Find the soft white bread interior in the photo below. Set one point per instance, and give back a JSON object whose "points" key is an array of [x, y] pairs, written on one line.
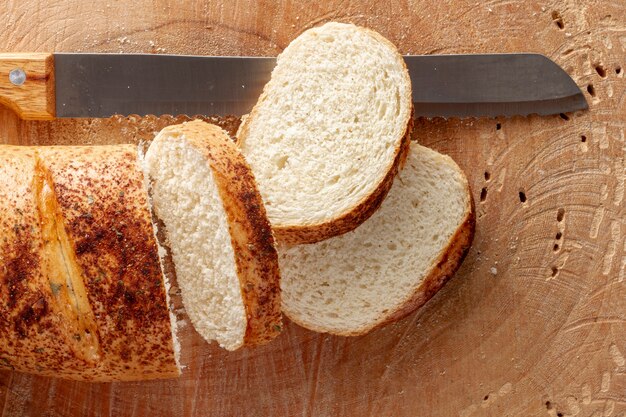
{"points": [[391, 264], [221, 241], [329, 131]]}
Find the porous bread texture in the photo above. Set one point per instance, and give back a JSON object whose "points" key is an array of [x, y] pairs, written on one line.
{"points": [[186, 198], [328, 132], [391, 264]]}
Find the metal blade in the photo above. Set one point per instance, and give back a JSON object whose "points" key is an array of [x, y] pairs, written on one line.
{"points": [[491, 85], [101, 85]]}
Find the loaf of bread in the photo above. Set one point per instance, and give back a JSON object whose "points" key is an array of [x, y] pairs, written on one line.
{"points": [[391, 264], [82, 289], [82, 293], [221, 241], [329, 131]]}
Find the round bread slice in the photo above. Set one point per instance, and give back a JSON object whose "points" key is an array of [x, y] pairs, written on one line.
{"points": [[329, 131], [221, 241], [390, 265]]}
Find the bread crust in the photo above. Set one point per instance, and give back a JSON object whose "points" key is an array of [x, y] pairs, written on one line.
{"points": [[354, 216], [102, 238], [251, 234]]}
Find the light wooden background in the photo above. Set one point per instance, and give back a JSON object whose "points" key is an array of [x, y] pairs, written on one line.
{"points": [[534, 323]]}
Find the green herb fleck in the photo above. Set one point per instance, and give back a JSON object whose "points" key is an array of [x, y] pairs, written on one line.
{"points": [[55, 288], [121, 194], [278, 328], [101, 275], [39, 350]]}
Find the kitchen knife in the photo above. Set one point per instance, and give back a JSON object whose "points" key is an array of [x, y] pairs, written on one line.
{"points": [[45, 86]]}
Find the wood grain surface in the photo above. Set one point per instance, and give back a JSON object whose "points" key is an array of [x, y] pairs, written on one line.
{"points": [[534, 323]]}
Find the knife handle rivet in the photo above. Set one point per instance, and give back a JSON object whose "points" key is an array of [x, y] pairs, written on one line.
{"points": [[17, 76]]}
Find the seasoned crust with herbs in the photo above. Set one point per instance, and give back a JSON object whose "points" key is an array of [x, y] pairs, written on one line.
{"points": [[83, 295]]}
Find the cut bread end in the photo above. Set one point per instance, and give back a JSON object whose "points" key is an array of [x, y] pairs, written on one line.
{"points": [[221, 242], [391, 264], [162, 253], [327, 134]]}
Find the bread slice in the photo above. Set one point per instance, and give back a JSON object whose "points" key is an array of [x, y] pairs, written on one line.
{"points": [[329, 131], [390, 265], [221, 241]]}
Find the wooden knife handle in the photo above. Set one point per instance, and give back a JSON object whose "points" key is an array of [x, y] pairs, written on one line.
{"points": [[27, 84]]}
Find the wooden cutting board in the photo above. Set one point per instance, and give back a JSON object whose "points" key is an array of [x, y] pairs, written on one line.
{"points": [[533, 324]]}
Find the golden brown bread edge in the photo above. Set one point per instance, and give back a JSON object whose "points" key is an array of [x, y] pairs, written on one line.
{"points": [[81, 289], [253, 243], [349, 220], [446, 264]]}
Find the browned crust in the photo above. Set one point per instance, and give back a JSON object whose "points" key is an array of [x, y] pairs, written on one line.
{"points": [[31, 333], [448, 262], [251, 234], [102, 204], [312, 233]]}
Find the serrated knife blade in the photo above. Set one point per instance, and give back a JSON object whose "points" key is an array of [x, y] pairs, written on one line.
{"points": [[102, 85]]}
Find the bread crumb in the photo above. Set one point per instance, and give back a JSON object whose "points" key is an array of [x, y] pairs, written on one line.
{"points": [[494, 270]]}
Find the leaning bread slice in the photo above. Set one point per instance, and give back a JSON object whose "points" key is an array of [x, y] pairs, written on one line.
{"points": [[329, 131], [390, 265], [221, 242]]}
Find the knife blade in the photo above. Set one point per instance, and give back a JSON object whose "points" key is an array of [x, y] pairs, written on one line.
{"points": [[102, 85]]}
